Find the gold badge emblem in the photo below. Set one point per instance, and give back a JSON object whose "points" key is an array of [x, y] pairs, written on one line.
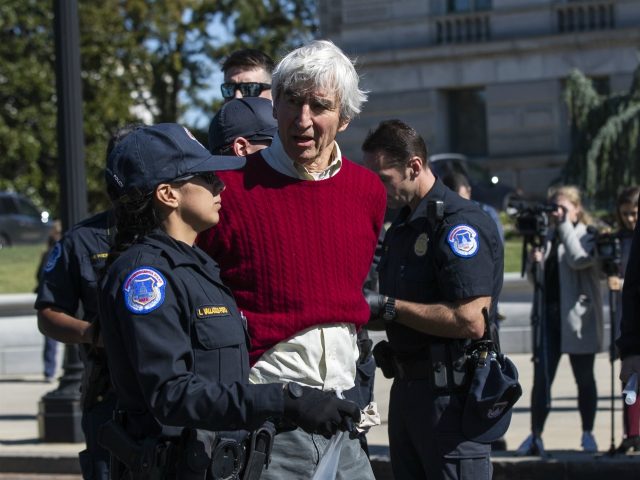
{"points": [[420, 247]]}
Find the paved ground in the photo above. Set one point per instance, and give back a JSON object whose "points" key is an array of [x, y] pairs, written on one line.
{"points": [[20, 396], [563, 430]]}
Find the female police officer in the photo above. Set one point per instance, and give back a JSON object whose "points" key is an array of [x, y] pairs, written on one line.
{"points": [[175, 340]]}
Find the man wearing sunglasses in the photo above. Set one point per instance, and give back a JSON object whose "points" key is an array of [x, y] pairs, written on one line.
{"points": [[247, 73], [295, 245]]}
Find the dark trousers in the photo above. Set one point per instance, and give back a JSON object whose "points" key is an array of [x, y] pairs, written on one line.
{"points": [[582, 367], [49, 356], [94, 460], [425, 436]]}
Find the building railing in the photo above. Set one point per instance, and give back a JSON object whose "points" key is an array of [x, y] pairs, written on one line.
{"points": [[585, 16], [463, 28]]}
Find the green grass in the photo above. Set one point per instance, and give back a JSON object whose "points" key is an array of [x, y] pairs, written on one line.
{"points": [[513, 255], [18, 268], [18, 265]]}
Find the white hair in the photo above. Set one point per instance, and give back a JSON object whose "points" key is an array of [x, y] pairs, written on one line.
{"points": [[321, 65]]}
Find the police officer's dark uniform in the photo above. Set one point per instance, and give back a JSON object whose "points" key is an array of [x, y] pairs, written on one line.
{"points": [[164, 305], [69, 282], [177, 344], [429, 258]]}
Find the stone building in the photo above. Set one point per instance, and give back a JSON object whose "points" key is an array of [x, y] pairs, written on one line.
{"points": [[484, 77]]}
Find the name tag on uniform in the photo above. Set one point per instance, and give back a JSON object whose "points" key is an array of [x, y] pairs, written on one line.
{"points": [[209, 311]]}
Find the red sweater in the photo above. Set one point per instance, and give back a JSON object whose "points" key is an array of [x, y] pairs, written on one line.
{"points": [[295, 252]]}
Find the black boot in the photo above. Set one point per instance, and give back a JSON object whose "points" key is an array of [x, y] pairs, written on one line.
{"points": [[628, 444]]}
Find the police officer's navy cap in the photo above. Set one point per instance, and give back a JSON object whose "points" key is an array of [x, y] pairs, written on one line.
{"points": [[155, 154], [493, 391], [248, 117]]}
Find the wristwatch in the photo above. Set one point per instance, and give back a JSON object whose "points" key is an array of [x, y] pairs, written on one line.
{"points": [[389, 313]]}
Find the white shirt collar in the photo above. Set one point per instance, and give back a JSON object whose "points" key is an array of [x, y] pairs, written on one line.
{"points": [[278, 159]]}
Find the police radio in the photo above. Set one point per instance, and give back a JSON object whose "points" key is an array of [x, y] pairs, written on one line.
{"points": [[435, 210]]}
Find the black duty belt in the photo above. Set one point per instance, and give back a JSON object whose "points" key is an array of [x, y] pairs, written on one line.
{"points": [[443, 364], [412, 369]]}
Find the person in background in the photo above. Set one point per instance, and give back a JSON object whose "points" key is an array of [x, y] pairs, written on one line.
{"points": [[629, 341], [573, 314], [242, 126], [67, 310], [50, 349], [627, 218], [295, 243], [247, 73], [459, 183], [175, 339]]}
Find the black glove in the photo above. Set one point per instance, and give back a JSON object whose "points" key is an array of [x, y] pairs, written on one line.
{"points": [[316, 411], [376, 302]]}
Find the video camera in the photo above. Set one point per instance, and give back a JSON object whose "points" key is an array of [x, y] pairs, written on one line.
{"points": [[609, 252], [532, 220]]}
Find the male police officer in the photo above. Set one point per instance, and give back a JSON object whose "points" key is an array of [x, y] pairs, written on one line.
{"points": [[67, 305], [242, 126], [441, 266]]}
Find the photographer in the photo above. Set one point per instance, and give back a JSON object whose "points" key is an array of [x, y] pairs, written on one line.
{"points": [[627, 217], [573, 314]]}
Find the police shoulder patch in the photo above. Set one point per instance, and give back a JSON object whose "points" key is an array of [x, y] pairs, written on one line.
{"points": [[463, 240], [56, 251], [143, 290]]}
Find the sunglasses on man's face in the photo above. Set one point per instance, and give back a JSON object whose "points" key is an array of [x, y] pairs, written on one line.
{"points": [[247, 89], [209, 178]]}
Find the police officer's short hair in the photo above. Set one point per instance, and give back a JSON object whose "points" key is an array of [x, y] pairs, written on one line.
{"points": [[398, 140], [249, 59], [321, 64]]}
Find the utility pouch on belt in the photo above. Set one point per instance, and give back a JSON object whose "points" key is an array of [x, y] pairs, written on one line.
{"points": [[259, 454], [449, 370], [196, 449], [384, 356], [145, 460]]}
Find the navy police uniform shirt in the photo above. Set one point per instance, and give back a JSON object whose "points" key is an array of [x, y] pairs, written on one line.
{"points": [[177, 344], [70, 274], [431, 261]]}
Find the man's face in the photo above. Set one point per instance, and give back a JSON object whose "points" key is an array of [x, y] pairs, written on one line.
{"points": [[396, 180], [243, 75], [308, 123]]}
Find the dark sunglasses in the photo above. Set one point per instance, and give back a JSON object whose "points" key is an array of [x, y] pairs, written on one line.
{"points": [[209, 178], [248, 89]]}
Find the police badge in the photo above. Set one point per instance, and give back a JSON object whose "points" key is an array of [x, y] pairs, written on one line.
{"points": [[421, 245]]}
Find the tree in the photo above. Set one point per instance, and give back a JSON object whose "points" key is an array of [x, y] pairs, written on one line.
{"points": [[141, 60], [605, 154], [28, 144]]}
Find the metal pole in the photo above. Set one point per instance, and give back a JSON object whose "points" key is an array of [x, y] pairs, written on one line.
{"points": [[59, 411]]}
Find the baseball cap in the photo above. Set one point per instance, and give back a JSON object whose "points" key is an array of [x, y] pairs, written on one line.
{"points": [[493, 391], [151, 155], [248, 117]]}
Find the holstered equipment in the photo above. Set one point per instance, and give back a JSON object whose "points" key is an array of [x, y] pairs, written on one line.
{"points": [[195, 455], [259, 451], [442, 363], [146, 460]]}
